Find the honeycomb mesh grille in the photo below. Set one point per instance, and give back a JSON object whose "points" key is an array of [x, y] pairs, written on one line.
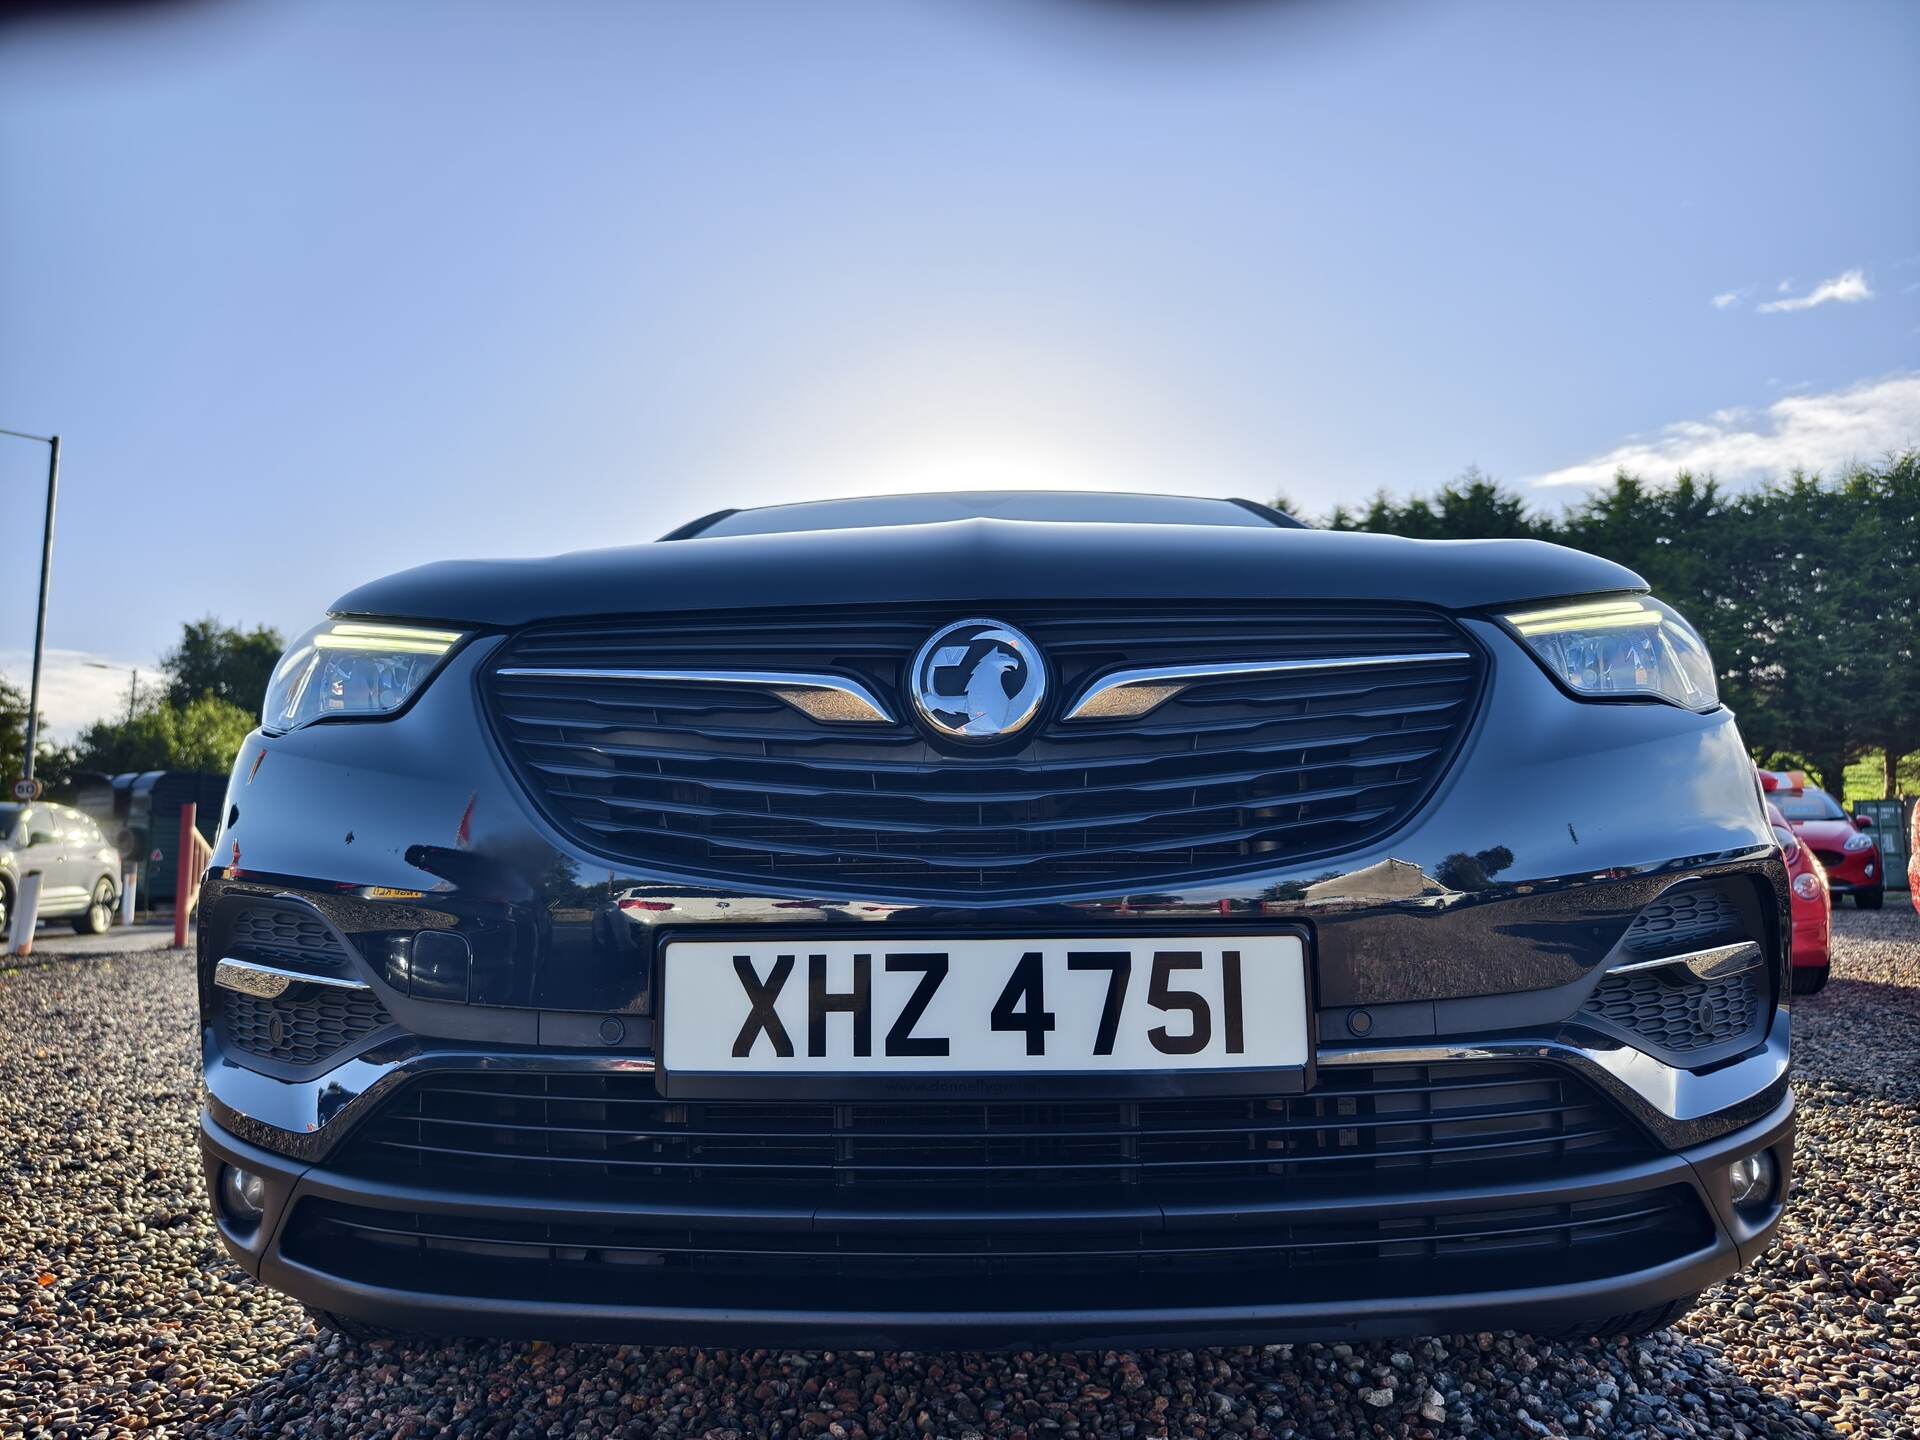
{"points": [[1680, 1018], [1684, 919], [285, 934], [1666, 1010], [303, 1030]]}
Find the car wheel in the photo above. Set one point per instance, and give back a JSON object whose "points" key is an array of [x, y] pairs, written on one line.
{"points": [[97, 918], [6, 910], [1869, 899], [1629, 1326], [1810, 980]]}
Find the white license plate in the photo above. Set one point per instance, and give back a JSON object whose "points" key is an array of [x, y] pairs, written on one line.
{"points": [[753, 1007]]}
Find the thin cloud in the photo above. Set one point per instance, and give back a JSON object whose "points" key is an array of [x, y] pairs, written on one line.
{"points": [[78, 687], [1726, 298], [1847, 288], [1824, 432]]}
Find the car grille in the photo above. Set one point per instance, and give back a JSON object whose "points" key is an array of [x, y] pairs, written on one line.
{"points": [[612, 1136], [995, 1263], [1229, 773], [283, 934], [1669, 1012], [1685, 919], [1829, 859], [306, 1025], [1674, 1014]]}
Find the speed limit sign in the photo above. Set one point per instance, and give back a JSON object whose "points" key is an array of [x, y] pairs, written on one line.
{"points": [[24, 790]]}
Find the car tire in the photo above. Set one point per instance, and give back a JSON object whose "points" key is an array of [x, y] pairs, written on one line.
{"points": [[6, 910], [1630, 1326], [1870, 899], [1810, 980], [97, 918], [358, 1331]]}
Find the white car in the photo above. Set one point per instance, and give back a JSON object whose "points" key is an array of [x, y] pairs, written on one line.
{"points": [[79, 870]]}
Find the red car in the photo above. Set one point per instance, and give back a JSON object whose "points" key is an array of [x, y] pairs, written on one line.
{"points": [[1810, 906], [1838, 840], [1913, 860]]}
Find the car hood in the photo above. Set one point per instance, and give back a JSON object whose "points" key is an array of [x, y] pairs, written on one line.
{"points": [[1829, 834], [985, 561]]}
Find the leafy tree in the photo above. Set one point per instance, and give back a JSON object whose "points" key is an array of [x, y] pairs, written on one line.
{"points": [[142, 742], [222, 660], [13, 730], [208, 734], [1472, 506], [52, 764], [1806, 591], [204, 736]]}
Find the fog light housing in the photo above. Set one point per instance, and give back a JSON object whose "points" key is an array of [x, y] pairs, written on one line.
{"points": [[1807, 885], [243, 1195], [1750, 1179]]}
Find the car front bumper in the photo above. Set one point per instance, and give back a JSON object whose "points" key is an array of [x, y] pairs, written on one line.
{"points": [[462, 1297], [1473, 935], [1855, 871]]}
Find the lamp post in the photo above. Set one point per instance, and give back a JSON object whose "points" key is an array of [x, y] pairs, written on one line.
{"points": [[133, 689], [26, 789]]}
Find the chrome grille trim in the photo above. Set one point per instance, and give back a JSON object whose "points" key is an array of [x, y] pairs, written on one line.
{"points": [[834, 699], [1129, 694]]}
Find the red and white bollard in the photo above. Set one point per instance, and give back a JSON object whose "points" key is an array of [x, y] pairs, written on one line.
{"points": [[186, 879]]}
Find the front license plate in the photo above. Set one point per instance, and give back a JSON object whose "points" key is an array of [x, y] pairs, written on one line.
{"points": [[752, 1007]]}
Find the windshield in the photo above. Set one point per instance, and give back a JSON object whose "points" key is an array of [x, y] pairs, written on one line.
{"points": [[1063, 506], [1809, 805]]}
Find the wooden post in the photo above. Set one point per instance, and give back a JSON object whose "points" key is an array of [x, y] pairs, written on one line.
{"points": [[184, 878]]}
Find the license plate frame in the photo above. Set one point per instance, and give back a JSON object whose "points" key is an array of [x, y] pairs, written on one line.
{"points": [[978, 1085]]}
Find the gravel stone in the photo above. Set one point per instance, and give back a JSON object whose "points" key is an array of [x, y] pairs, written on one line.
{"points": [[119, 1312]]}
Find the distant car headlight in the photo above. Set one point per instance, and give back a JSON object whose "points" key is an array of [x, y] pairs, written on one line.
{"points": [[1807, 885], [352, 669], [1621, 647], [1857, 842]]}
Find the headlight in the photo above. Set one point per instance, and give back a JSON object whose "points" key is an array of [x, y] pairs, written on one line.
{"points": [[1627, 647], [352, 669], [1857, 841], [1807, 885], [1789, 842]]}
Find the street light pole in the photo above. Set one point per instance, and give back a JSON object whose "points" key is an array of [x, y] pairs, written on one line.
{"points": [[133, 687], [52, 442]]}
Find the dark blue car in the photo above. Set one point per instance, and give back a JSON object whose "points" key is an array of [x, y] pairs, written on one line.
{"points": [[1004, 919]]}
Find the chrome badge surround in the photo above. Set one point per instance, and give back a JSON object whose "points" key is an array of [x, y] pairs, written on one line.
{"points": [[1001, 684]]}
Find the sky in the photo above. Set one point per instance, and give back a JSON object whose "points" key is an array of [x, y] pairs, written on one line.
{"points": [[316, 292]]}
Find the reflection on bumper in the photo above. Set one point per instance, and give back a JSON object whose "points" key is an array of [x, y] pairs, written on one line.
{"points": [[582, 1295], [1682, 1107], [1733, 1093]]}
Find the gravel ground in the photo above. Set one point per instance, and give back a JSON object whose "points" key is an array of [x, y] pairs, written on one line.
{"points": [[119, 1311]]}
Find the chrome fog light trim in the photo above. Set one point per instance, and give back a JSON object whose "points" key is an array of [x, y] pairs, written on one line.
{"points": [[1719, 962], [269, 982]]}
